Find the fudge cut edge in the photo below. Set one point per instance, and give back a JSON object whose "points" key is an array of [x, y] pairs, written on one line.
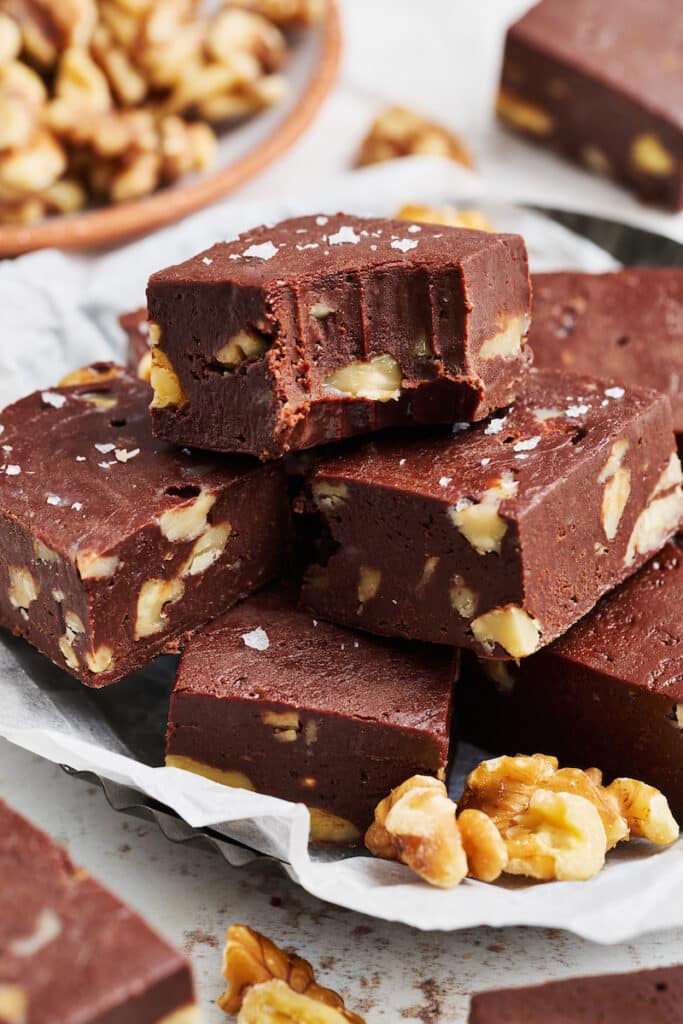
{"points": [[638, 997], [105, 583], [417, 541], [565, 99], [392, 324], [301, 719]]}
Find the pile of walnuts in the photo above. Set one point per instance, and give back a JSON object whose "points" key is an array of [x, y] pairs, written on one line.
{"points": [[520, 815], [112, 98]]}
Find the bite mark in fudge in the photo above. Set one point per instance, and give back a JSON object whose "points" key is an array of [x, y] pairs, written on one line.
{"points": [[625, 325], [615, 676], [320, 328], [70, 951], [500, 536], [642, 997], [269, 699], [113, 545], [138, 354], [601, 83]]}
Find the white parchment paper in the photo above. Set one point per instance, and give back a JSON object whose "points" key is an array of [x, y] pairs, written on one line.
{"points": [[58, 312]]}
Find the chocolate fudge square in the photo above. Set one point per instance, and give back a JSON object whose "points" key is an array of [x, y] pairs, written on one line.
{"points": [[70, 951], [113, 545], [268, 698], [500, 536], [602, 83], [643, 997], [609, 692], [138, 343], [626, 325], [320, 328]]}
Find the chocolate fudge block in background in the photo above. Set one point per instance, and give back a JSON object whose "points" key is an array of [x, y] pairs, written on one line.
{"points": [[71, 951], [138, 352], [626, 325], [320, 328], [609, 693], [267, 698], [113, 545], [601, 83], [643, 997], [500, 536]]}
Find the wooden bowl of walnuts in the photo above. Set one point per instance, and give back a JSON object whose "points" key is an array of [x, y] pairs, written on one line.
{"points": [[119, 116]]}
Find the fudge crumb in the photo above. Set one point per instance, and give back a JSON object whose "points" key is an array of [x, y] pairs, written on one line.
{"points": [[257, 639]]}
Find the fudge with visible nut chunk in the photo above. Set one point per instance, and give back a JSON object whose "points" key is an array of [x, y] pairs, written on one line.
{"points": [[626, 325], [138, 350], [601, 83], [268, 698], [641, 997], [320, 328], [500, 536], [70, 951], [621, 664], [113, 545]]}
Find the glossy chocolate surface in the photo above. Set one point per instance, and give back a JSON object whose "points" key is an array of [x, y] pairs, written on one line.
{"points": [[395, 557], [626, 325], [92, 528], [321, 293], [368, 713], [70, 951]]}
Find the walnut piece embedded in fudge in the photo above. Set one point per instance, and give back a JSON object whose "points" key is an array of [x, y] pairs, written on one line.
{"points": [[114, 545], [501, 535]]}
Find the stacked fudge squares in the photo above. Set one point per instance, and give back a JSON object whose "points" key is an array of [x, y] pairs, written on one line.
{"points": [[346, 490]]}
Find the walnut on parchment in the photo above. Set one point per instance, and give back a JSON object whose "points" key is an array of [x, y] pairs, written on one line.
{"points": [[416, 824]]}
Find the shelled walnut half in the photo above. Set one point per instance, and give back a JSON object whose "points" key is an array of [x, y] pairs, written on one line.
{"points": [[262, 977]]}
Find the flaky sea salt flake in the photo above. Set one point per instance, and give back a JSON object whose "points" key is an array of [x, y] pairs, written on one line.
{"points": [[345, 236], [257, 639], [264, 251]]}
